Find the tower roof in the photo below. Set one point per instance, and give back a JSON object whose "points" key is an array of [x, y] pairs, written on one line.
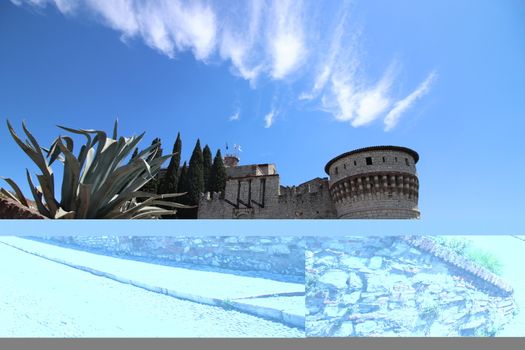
{"points": [[373, 148]]}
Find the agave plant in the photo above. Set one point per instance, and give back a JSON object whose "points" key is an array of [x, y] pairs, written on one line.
{"points": [[98, 182]]}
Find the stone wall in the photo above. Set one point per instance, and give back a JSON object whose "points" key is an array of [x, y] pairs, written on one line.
{"points": [[305, 205], [255, 191], [393, 286], [314, 205], [311, 200], [275, 255], [250, 170], [355, 164]]}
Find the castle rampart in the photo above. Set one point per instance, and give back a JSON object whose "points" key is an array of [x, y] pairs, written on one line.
{"points": [[373, 182]]}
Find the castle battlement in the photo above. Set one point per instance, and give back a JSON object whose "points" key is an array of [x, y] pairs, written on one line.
{"points": [[313, 186], [374, 182]]}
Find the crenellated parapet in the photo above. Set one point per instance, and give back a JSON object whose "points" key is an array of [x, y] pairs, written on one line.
{"points": [[378, 185]]}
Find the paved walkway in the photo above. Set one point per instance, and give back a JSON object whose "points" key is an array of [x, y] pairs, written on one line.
{"points": [[43, 298], [279, 301]]}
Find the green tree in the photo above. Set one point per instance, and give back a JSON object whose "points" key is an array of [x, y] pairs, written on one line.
{"points": [[183, 182], [196, 175], [170, 180], [183, 187], [206, 168], [218, 174]]}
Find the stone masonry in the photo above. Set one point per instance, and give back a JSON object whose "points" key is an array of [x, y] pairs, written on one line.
{"points": [[400, 286], [369, 183], [282, 256]]}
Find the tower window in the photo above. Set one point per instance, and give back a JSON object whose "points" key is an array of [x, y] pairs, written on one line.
{"points": [[406, 161], [383, 159], [336, 170], [355, 163], [368, 160], [344, 165], [395, 159]]}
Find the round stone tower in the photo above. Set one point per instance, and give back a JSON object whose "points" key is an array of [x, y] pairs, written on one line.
{"points": [[377, 182]]}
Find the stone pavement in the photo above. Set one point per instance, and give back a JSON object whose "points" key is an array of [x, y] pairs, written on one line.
{"points": [[279, 301]]}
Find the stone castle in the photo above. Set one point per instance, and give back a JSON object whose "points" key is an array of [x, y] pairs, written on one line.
{"points": [[377, 182]]}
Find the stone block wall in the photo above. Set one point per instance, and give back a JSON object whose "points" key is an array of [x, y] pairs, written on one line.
{"points": [[279, 202], [355, 164], [307, 205], [391, 286], [373, 206], [253, 188], [275, 255]]}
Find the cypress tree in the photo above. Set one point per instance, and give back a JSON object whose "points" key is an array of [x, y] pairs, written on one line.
{"points": [[170, 181], [218, 174], [196, 175], [183, 187], [206, 169], [183, 183]]}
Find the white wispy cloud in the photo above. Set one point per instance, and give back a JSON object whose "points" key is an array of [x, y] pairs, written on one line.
{"points": [[269, 118], [347, 92], [119, 15], [286, 38], [392, 118], [235, 116], [327, 63], [64, 6], [277, 40], [165, 25], [344, 90], [241, 42]]}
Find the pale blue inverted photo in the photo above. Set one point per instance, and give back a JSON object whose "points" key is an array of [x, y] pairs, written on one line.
{"points": [[264, 286]]}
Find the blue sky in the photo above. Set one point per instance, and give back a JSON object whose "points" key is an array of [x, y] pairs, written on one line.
{"points": [[294, 83]]}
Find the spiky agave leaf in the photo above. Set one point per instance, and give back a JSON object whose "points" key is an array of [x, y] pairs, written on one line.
{"points": [[19, 195], [31, 148], [96, 184], [70, 178], [148, 208], [37, 195]]}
